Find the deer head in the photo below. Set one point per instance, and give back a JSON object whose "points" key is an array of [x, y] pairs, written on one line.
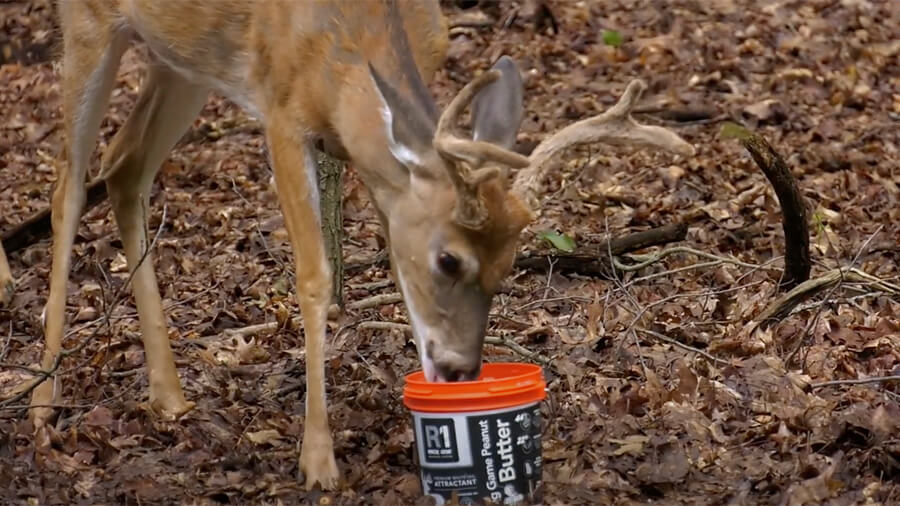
{"points": [[453, 235]]}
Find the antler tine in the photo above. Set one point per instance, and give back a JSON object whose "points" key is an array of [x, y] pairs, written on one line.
{"points": [[477, 152], [474, 152], [614, 126], [467, 177], [462, 100]]}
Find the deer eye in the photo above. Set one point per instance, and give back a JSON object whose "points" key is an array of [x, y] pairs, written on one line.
{"points": [[448, 263]]}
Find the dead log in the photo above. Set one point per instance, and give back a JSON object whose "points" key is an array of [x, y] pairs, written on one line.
{"points": [[596, 261]]}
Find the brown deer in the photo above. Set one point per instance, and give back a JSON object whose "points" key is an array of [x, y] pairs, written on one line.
{"points": [[349, 74]]}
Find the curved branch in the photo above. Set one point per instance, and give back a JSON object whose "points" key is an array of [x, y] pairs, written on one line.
{"points": [[796, 229]]}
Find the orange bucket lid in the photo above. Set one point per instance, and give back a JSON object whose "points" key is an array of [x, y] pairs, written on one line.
{"points": [[500, 385]]}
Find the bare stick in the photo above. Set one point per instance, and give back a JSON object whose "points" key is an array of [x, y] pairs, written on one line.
{"points": [[375, 325], [373, 285], [782, 306], [861, 381], [516, 347], [376, 300], [662, 337], [645, 260], [252, 330]]}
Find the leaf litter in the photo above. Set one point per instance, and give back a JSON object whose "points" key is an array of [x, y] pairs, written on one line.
{"points": [[630, 418]]}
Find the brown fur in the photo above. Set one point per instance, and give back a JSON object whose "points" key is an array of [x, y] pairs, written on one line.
{"points": [[302, 66]]}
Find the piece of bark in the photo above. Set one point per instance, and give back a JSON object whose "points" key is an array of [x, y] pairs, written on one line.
{"points": [[793, 210]]}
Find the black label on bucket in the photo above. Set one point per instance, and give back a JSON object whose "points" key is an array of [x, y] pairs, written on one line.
{"points": [[495, 456], [439, 439]]}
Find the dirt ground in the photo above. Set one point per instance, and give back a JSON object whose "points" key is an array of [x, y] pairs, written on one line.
{"points": [[708, 413]]}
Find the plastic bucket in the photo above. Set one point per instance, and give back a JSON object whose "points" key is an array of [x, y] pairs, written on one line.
{"points": [[480, 440]]}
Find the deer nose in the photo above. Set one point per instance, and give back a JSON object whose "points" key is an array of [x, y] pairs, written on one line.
{"points": [[452, 372]]}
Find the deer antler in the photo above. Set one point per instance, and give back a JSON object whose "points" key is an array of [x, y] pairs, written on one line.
{"points": [[467, 157], [615, 126]]}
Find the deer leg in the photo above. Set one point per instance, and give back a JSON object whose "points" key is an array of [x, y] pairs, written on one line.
{"points": [[166, 106], [295, 177], [90, 60], [6, 279]]}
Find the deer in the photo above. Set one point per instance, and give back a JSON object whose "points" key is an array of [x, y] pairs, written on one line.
{"points": [[352, 77]]}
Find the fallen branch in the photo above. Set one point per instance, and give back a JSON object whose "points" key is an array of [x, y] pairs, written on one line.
{"points": [[597, 263], [645, 260], [662, 337], [376, 300], [862, 381], [259, 328], [783, 305], [592, 261], [380, 259]]}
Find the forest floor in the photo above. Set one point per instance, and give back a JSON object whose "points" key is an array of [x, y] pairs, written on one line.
{"points": [[722, 416]]}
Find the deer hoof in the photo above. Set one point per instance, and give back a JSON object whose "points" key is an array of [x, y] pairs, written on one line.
{"points": [[172, 409], [318, 465], [42, 398]]}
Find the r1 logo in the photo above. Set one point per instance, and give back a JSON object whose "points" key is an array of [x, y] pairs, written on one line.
{"points": [[439, 436]]}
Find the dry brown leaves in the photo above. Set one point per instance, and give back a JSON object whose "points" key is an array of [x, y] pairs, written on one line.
{"points": [[630, 418]]}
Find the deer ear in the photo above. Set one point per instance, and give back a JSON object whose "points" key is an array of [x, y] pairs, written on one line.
{"points": [[409, 130], [497, 109]]}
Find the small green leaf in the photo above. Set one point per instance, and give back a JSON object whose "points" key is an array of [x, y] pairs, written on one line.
{"points": [[612, 38], [818, 222], [734, 131], [559, 241]]}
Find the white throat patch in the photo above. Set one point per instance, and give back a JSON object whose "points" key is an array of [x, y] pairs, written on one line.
{"points": [[420, 332]]}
